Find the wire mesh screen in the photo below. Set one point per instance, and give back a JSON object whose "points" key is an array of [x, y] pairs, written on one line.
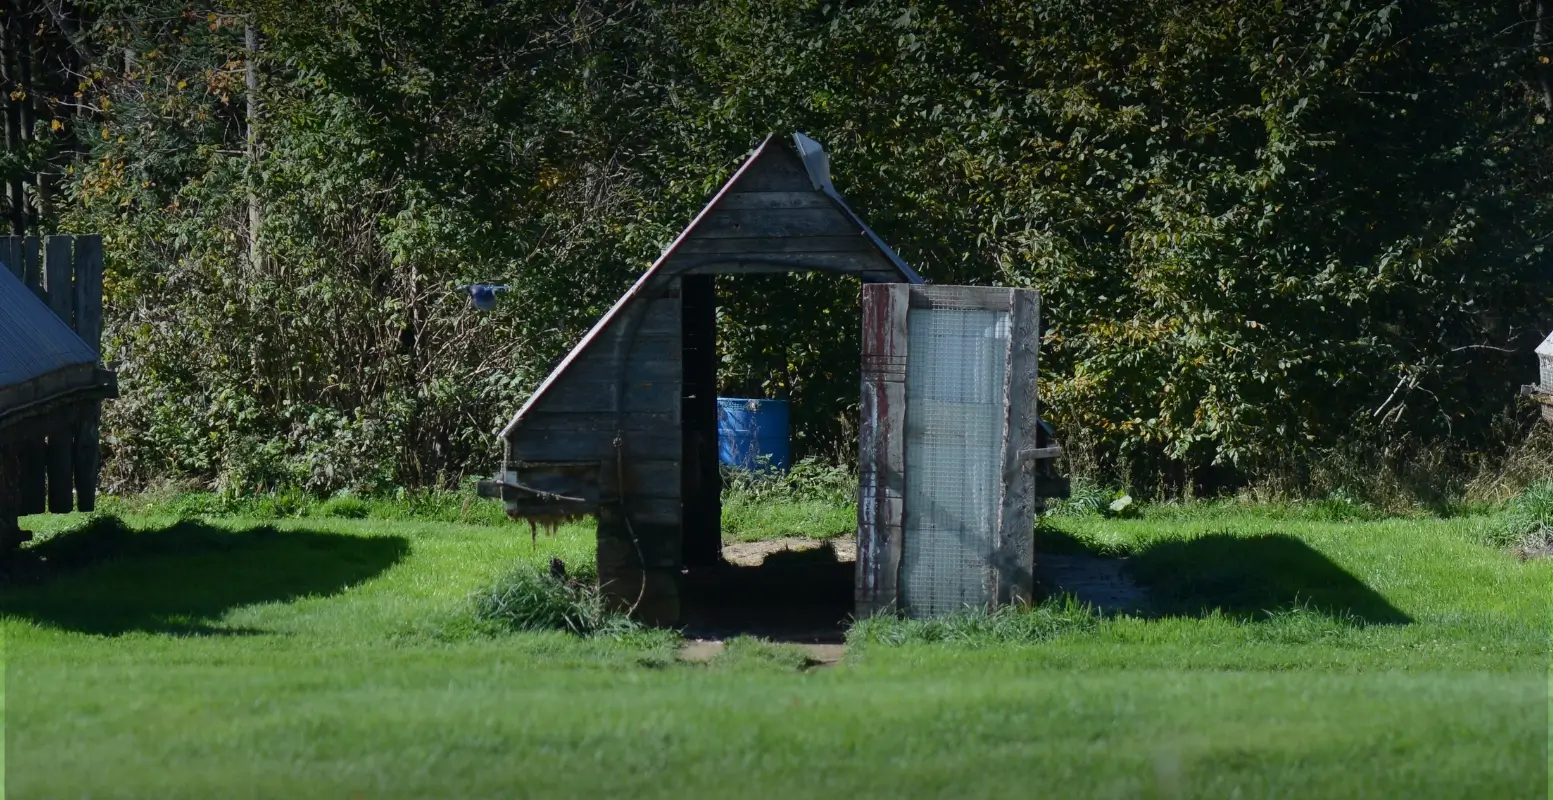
{"points": [[954, 430]]}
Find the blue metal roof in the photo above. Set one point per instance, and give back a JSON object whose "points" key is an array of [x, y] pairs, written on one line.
{"points": [[33, 341]]}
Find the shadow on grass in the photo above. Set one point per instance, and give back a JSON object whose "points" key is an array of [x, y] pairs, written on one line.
{"points": [[1242, 576], [105, 578]]}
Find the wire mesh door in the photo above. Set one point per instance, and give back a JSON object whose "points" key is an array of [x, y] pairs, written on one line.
{"points": [[955, 385], [949, 420]]}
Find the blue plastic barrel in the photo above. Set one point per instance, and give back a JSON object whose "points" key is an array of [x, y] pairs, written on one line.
{"points": [[751, 433]]}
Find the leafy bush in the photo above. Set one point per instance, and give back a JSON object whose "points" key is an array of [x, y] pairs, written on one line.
{"points": [[1242, 263]]}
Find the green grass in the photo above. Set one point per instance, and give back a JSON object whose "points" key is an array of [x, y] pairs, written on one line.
{"points": [[326, 657]]}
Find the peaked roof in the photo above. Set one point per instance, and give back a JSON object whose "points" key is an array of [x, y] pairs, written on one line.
{"points": [[816, 164], [1546, 348], [33, 341]]}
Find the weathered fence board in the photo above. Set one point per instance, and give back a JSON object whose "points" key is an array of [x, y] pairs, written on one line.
{"points": [[881, 444], [57, 460]]}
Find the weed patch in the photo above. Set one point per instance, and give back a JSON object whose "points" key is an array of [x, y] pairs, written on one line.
{"points": [[753, 652], [1526, 522], [978, 628], [526, 599]]}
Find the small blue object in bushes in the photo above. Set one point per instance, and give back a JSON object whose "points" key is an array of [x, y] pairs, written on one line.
{"points": [[752, 434]]}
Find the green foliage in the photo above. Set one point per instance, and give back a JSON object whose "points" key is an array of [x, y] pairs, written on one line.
{"points": [[1260, 229]]}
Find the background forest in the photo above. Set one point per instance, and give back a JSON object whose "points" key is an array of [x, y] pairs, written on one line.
{"points": [[1293, 244]]}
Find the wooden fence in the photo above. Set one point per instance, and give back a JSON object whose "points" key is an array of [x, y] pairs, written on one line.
{"points": [[59, 463]]}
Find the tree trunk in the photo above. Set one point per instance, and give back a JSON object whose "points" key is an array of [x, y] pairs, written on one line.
{"points": [[1538, 40], [255, 209]]}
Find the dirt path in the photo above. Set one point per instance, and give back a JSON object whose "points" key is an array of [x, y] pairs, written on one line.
{"points": [[753, 554]]}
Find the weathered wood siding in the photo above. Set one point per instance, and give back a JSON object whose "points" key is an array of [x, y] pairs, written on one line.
{"points": [[772, 219], [50, 429], [881, 448]]}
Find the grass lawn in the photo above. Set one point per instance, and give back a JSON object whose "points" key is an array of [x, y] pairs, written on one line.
{"points": [[323, 657]]}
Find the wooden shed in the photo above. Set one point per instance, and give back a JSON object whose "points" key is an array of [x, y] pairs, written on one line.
{"points": [[625, 428], [51, 386]]}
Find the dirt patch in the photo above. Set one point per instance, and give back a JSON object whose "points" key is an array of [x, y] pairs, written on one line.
{"points": [[701, 651], [754, 554]]}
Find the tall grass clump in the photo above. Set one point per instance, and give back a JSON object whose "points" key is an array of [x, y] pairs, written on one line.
{"points": [[1526, 522], [976, 627], [527, 599]]}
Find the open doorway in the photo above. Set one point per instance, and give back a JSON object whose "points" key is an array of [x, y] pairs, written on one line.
{"points": [[793, 589]]}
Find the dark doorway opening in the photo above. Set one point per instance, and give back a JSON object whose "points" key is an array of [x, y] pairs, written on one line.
{"points": [[800, 593]]}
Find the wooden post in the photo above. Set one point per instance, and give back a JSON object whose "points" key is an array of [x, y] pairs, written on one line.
{"points": [[1013, 558], [11, 254], [88, 285], [59, 269], [32, 454], [881, 446]]}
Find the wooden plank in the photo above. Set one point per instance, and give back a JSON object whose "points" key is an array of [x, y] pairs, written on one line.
{"points": [[774, 200], [972, 298], [645, 365], [858, 263], [649, 344], [88, 287], [32, 266], [88, 290], [650, 591], [598, 396], [765, 246], [881, 448], [594, 444], [59, 277], [595, 420], [1014, 542], [777, 169], [659, 478], [59, 285], [32, 462], [756, 223], [11, 254], [47, 385]]}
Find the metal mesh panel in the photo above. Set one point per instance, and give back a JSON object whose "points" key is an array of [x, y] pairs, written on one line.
{"points": [[954, 426]]}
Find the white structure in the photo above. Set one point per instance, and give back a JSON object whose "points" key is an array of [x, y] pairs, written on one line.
{"points": [[1543, 392]]}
